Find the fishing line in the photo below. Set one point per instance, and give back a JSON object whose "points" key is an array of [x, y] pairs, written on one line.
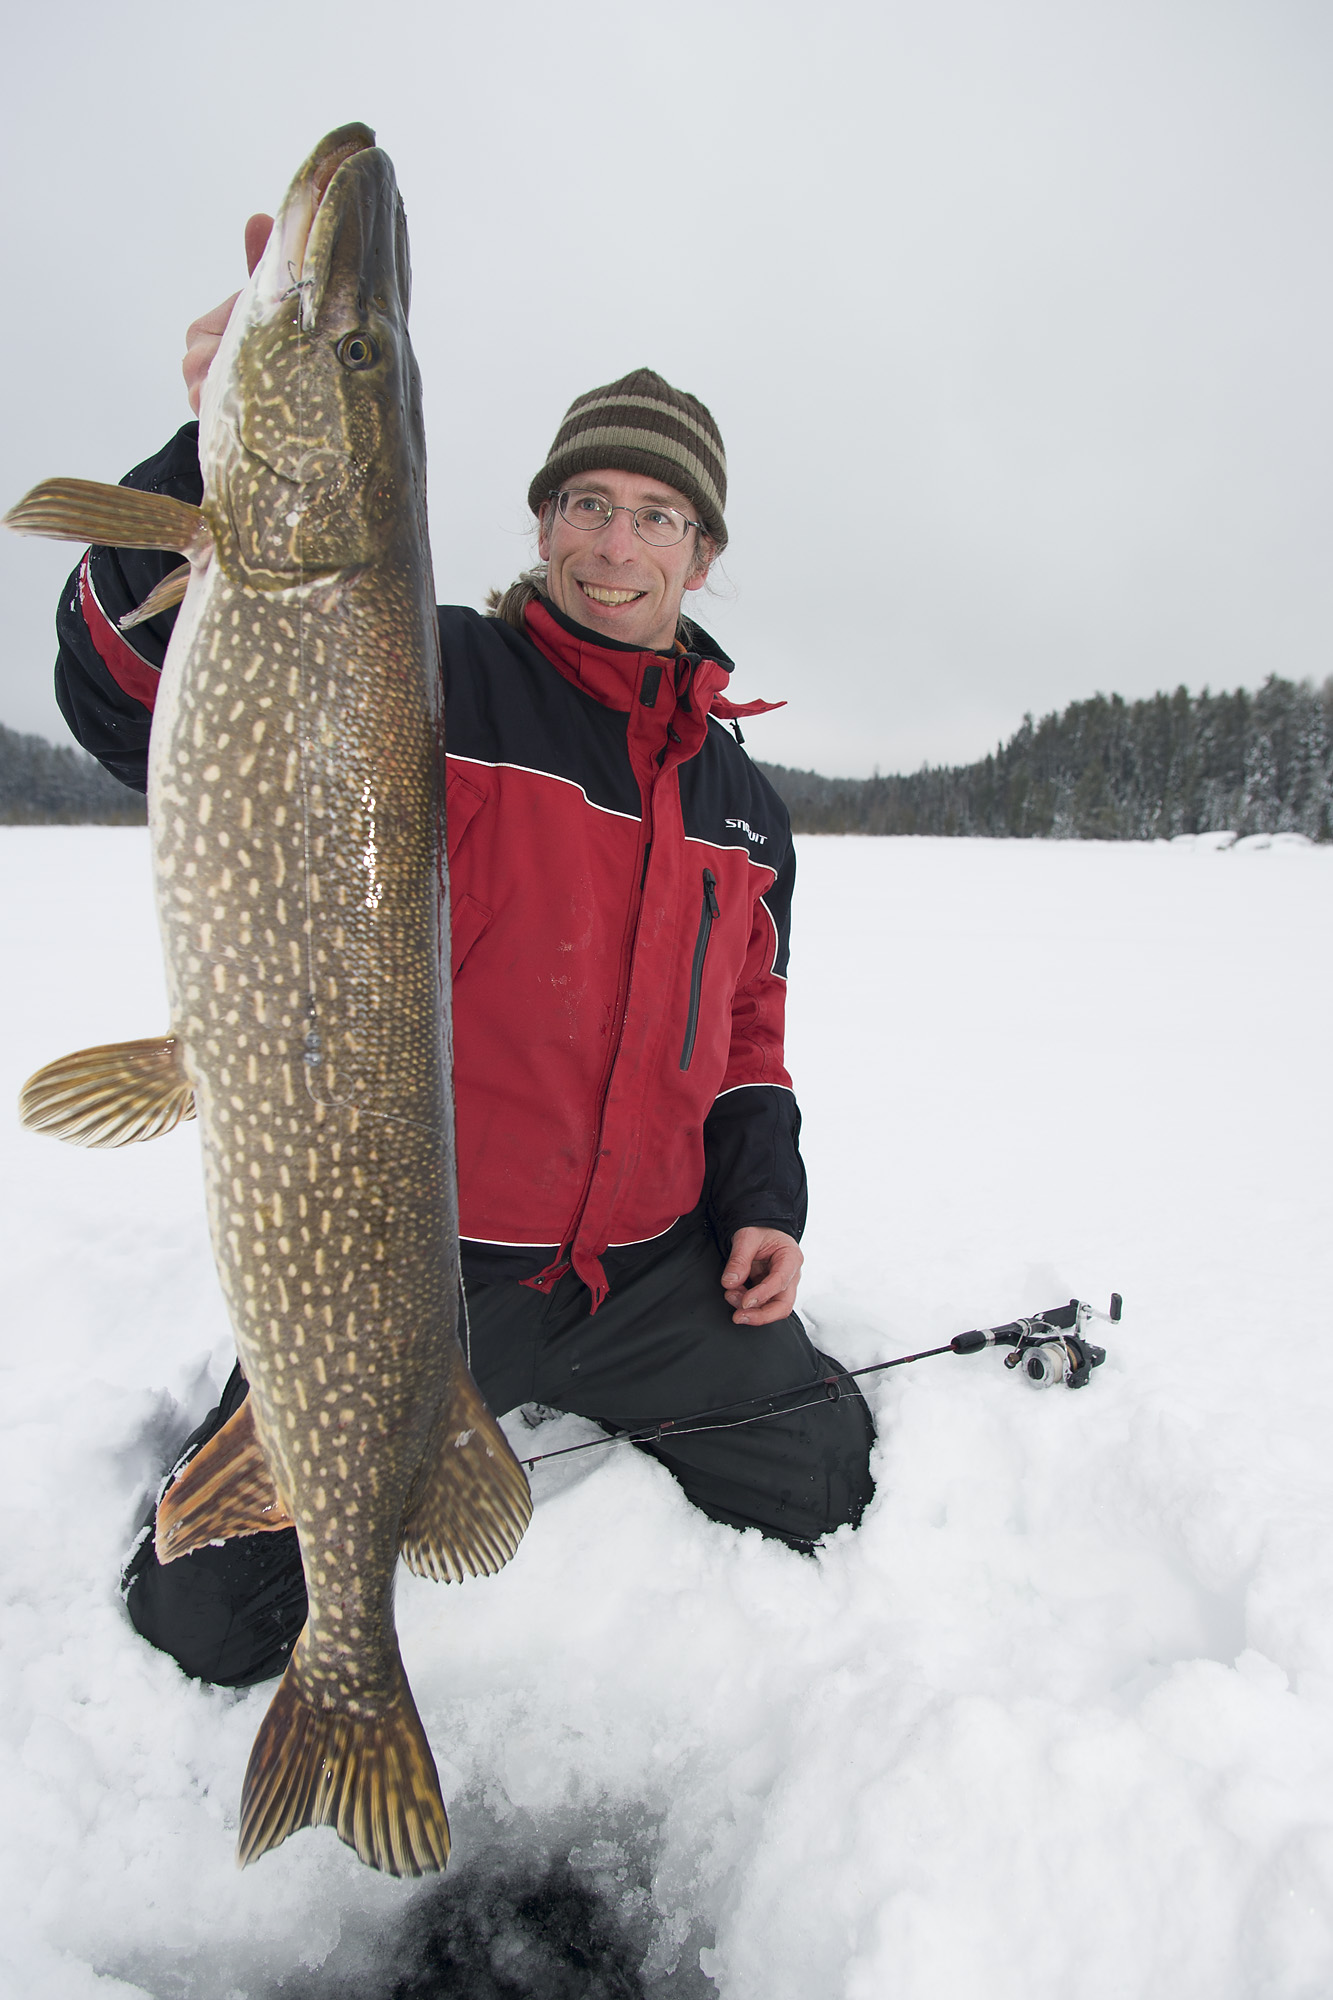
{"points": [[467, 1323]]}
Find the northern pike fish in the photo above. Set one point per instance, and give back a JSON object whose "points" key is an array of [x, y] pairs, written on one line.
{"points": [[295, 803]]}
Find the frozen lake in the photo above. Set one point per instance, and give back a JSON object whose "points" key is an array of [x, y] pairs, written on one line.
{"points": [[1055, 1724]]}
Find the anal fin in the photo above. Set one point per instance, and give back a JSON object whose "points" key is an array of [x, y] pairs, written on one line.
{"points": [[85, 510], [110, 1096], [224, 1491], [371, 1778], [470, 1505], [164, 596]]}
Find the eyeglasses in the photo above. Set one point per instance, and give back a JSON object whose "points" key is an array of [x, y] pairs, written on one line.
{"points": [[660, 527]]}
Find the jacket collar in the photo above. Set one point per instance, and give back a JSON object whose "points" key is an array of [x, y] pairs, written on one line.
{"points": [[614, 674]]}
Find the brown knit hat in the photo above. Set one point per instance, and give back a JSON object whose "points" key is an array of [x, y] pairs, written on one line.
{"points": [[641, 424]]}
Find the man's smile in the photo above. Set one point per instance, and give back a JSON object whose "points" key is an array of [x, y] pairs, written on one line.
{"points": [[600, 594]]}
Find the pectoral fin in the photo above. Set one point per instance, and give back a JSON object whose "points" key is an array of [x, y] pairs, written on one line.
{"points": [[224, 1491], [83, 510], [110, 1096], [164, 597], [471, 1502]]}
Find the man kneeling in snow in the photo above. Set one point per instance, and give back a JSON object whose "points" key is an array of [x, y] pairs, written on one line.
{"points": [[631, 1192]]}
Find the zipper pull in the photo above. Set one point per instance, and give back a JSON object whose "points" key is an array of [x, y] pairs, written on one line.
{"points": [[710, 893]]}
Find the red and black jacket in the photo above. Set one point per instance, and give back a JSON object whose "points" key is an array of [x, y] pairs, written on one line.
{"points": [[621, 880]]}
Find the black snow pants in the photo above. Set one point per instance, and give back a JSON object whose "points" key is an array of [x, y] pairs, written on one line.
{"points": [[662, 1345]]}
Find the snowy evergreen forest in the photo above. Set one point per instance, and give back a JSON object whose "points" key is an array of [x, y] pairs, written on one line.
{"points": [[48, 784], [1108, 769]]}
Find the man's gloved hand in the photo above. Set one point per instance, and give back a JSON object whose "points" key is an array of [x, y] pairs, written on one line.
{"points": [[204, 335], [761, 1275]]}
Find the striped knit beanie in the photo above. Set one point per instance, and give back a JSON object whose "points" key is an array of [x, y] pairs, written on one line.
{"points": [[641, 424]]}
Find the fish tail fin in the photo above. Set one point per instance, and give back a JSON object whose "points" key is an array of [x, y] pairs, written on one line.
{"points": [[110, 1096], [471, 1503], [371, 1778], [84, 510]]}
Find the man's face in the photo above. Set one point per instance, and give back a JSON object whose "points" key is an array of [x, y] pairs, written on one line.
{"points": [[610, 579]]}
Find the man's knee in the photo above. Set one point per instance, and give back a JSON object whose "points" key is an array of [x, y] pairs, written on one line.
{"points": [[836, 1448], [851, 1488], [230, 1614], [797, 1475]]}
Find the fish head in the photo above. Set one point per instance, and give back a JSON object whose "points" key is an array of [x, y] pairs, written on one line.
{"points": [[310, 428]]}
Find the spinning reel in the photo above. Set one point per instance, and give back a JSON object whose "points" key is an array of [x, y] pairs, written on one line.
{"points": [[1050, 1347]]}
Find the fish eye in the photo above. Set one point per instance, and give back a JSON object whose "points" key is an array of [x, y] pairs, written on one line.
{"points": [[358, 350]]}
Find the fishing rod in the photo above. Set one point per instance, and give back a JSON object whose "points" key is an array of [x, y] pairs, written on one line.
{"points": [[1048, 1347]]}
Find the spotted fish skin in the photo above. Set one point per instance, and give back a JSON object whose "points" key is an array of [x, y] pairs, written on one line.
{"points": [[295, 806], [293, 803]]}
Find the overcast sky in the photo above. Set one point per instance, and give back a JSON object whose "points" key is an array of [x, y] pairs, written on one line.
{"points": [[1014, 314]]}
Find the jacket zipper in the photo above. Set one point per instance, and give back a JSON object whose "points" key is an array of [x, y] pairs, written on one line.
{"points": [[707, 917], [629, 948], [628, 944]]}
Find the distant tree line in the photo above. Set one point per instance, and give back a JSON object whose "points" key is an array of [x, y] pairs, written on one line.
{"points": [[1109, 769], [1105, 769], [46, 784]]}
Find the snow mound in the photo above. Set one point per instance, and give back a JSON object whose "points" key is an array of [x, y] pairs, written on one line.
{"points": [[1229, 843], [1056, 1721]]}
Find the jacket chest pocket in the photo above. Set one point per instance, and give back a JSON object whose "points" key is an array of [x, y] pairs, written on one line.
{"points": [[462, 802], [709, 912], [467, 920]]}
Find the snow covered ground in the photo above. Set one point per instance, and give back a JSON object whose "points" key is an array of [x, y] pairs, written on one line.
{"points": [[1057, 1721]]}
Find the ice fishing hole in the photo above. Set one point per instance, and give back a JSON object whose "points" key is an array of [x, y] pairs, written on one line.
{"points": [[575, 1925]]}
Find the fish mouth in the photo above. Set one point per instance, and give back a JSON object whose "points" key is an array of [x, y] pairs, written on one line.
{"points": [[288, 269]]}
